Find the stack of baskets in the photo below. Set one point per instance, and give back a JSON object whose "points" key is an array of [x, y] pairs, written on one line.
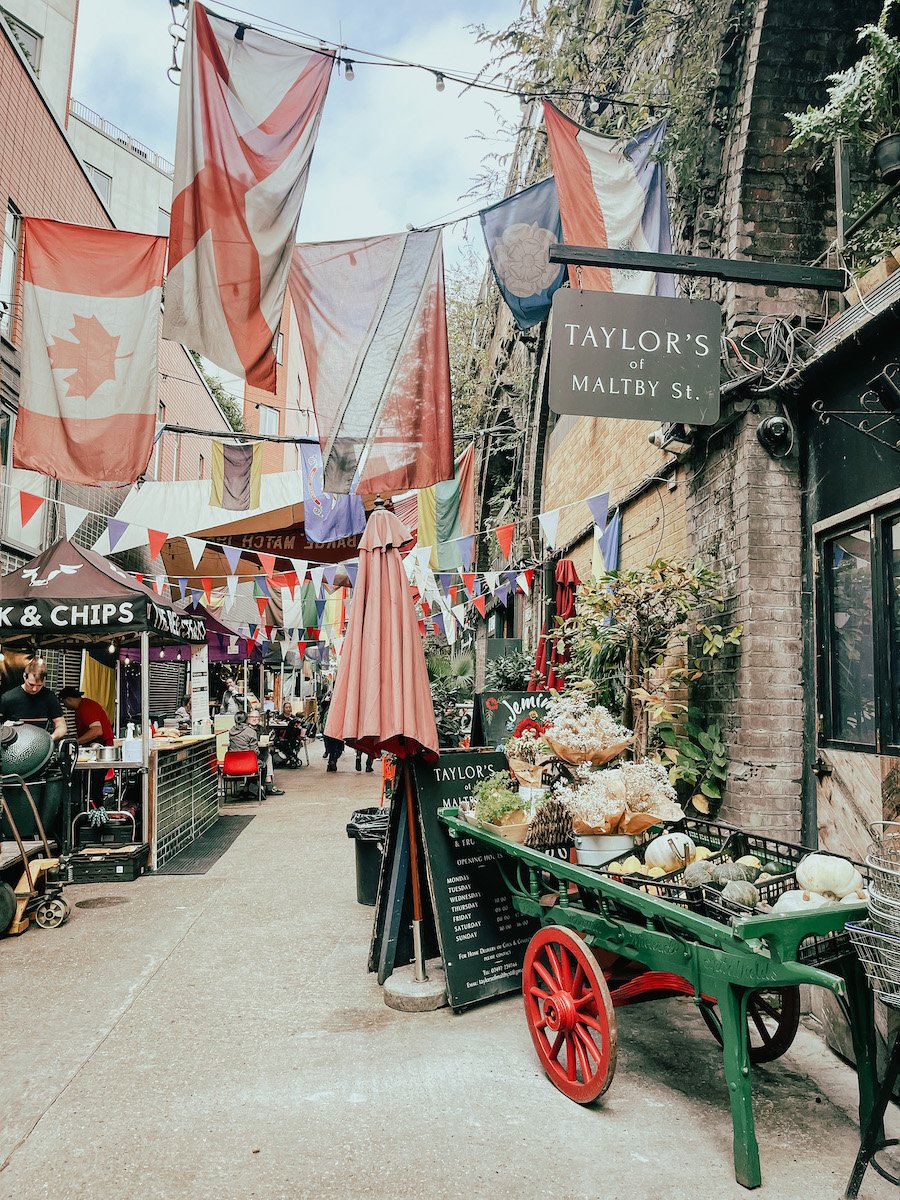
{"points": [[877, 941]]}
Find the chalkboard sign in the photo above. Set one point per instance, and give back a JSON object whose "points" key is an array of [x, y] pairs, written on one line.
{"points": [[482, 937], [500, 712]]}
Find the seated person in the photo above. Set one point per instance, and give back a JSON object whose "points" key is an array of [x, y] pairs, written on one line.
{"points": [[183, 714], [92, 725], [34, 703], [244, 735]]}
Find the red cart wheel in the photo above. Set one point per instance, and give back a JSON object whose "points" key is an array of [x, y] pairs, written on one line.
{"points": [[569, 1013], [773, 1018]]}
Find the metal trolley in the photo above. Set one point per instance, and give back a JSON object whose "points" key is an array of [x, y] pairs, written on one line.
{"points": [[604, 944]]}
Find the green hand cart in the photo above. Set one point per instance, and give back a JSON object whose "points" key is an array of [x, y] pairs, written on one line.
{"points": [[604, 944]]}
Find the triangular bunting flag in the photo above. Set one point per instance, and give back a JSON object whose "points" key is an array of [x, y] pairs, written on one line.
{"points": [[466, 547], [232, 557], [469, 582], [74, 519], [195, 596], [261, 603], [503, 593], [196, 549], [261, 587], [206, 584], [453, 592], [599, 508], [445, 578], [231, 582], [459, 611], [267, 562], [29, 504], [316, 574], [139, 577], [161, 584], [505, 538], [330, 571], [156, 540], [480, 603], [320, 610], [549, 523], [114, 529], [300, 565], [182, 585], [492, 579], [352, 570], [301, 649]]}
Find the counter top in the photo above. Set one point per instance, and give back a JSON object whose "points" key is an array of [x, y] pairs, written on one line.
{"points": [[179, 743]]}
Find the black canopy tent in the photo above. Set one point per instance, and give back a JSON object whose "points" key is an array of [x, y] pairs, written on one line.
{"points": [[73, 598]]}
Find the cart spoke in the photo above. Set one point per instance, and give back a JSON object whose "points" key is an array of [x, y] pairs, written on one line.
{"points": [[554, 965], [570, 1058], [557, 1045], [578, 985], [757, 1002], [591, 1023], [565, 969], [589, 1044], [545, 975], [539, 993], [586, 1071], [760, 1024]]}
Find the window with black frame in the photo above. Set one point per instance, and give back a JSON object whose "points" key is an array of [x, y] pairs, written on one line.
{"points": [[859, 643]]}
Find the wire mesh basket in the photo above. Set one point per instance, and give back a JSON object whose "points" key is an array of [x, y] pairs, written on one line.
{"points": [[883, 859], [879, 954], [884, 911]]}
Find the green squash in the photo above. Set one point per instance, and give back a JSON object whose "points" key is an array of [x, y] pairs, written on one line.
{"points": [[740, 892], [697, 873], [729, 872]]}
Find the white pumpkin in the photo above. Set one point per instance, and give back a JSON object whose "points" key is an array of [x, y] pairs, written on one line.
{"points": [[798, 901], [670, 851], [829, 875]]}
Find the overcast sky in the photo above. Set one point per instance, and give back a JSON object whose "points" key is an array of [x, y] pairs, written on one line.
{"points": [[391, 149]]}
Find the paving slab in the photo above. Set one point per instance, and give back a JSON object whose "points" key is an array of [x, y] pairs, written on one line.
{"points": [[217, 1037]]}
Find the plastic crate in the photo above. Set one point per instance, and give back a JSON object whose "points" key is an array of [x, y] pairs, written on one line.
{"points": [[109, 864]]}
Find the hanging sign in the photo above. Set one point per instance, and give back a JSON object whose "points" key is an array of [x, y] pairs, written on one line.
{"points": [[641, 358], [500, 712]]}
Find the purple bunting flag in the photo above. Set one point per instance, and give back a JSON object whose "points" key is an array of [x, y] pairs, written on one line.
{"points": [[115, 529], [233, 557], [599, 508]]}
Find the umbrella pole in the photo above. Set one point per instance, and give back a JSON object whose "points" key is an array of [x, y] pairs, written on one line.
{"points": [[421, 976]]}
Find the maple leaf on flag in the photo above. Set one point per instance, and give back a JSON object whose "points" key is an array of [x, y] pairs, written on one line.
{"points": [[91, 356]]}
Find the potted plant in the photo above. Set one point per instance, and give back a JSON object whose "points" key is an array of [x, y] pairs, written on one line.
{"points": [[863, 106], [499, 808]]}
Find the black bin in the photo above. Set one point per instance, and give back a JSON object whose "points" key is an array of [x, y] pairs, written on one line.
{"points": [[368, 828]]}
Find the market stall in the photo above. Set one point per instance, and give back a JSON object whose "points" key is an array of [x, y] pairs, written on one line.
{"points": [[71, 598]]}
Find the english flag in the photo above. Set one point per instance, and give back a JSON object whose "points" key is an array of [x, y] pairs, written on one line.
{"points": [[248, 116], [90, 317], [611, 194]]}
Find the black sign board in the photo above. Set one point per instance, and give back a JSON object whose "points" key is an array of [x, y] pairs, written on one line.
{"points": [[643, 358], [483, 938], [500, 712]]}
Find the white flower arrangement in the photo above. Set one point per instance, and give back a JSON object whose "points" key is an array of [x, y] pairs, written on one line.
{"points": [[624, 799], [582, 732]]}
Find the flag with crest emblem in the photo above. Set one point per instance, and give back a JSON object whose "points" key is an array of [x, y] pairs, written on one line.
{"points": [[90, 315]]}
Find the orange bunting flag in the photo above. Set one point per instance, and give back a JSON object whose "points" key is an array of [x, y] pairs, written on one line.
{"points": [[452, 592], [469, 580], [156, 540], [261, 602], [480, 603], [206, 584], [90, 311], [28, 505], [505, 538], [267, 562]]}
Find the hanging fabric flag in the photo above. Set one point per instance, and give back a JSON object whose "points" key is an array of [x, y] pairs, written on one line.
{"points": [[466, 550], [505, 538], [374, 331], [459, 611], [351, 570], [492, 579], [231, 582], [523, 581], [503, 593], [549, 523], [74, 519], [232, 557], [445, 578], [446, 512], [267, 562], [248, 115], [196, 549], [468, 579], [299, 565], [156, 540], [235, 476], [90, 309], [480, 603], [326, 517], [206, 584], [28, 506], [611, 194], [161, 584], [599, 508], [316, 575], [261, 587], [519, 232], [195, 596], [329, 572], [182, 586], [261, 602]]}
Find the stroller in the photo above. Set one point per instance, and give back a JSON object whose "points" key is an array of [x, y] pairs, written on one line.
{"points": [[289, 745]]}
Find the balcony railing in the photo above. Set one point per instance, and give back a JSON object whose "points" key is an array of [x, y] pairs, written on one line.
{"points": [[89, 117]]}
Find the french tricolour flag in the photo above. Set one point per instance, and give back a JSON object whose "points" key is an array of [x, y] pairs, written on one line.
{"points": [[611, 193]]}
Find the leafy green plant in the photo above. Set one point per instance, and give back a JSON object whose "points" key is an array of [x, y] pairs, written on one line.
{"points": [[864, 101], [454, 672], [447, 715], [630, 621], [509, 672], [495, 798], [697, 758]]}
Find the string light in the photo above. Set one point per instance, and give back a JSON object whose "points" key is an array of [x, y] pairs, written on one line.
{"points": [[112, 647], [162, 653], [439, 83], [349, 74]]}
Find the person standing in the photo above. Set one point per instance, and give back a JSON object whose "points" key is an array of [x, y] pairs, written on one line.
{"points": [[33, 702], [369, 761], [92, 725]]}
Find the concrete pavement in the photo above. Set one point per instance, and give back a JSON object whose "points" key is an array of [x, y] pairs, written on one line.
{"points": [[218, 1038]]}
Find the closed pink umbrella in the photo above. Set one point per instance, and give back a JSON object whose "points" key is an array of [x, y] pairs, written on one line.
{"points": [[549, 658], [382, 698]]}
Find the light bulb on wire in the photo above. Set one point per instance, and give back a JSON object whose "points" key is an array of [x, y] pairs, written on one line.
{"points": [[112, 647], [162, 653], [349, 73], [439, 81], [594, 105]]}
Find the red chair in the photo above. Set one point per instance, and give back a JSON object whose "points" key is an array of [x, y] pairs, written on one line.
{"points": [[241, 764]]}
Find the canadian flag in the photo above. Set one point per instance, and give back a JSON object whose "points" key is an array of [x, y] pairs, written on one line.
{"points": [[90, 301], [248, 115]]}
